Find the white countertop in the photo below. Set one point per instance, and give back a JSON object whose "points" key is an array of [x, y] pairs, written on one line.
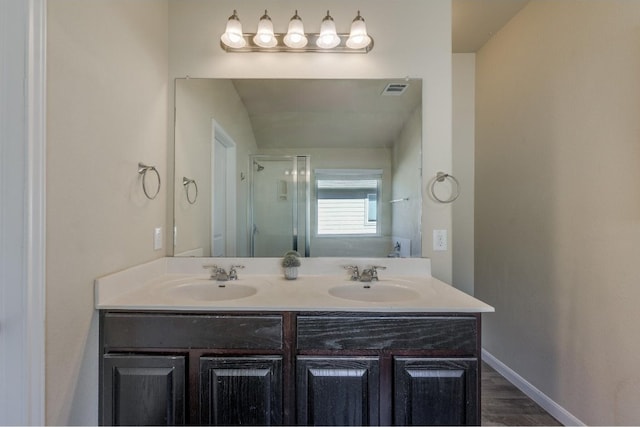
{"points": [[155, 286]]}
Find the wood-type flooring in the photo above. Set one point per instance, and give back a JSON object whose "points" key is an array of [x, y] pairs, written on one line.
{"points": [[504, 405]]}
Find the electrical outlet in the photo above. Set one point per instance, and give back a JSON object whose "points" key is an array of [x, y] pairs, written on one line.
{"points": [[157, 238], [440, 242]]}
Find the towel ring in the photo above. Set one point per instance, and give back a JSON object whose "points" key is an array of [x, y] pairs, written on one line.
{"points": [[142, 170], [187, 182], [440, 177]]}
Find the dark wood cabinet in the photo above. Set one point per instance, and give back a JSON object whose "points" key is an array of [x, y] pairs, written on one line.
{"points": [[143, 390], [315, 368], [241, 390], [337, 391], [435, 391]]}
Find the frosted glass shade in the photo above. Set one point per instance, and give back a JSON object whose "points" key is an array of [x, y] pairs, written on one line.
{"points": [[328, 38], [232, 36], [265, 37], [358, 38], [295, 37]]}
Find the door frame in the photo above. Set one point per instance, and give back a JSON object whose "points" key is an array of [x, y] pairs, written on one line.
{"points": [[218, 133], [22, 181]]}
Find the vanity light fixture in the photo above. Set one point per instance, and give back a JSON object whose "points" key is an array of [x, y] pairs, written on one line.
{"points": [[328, 38], [358, 37], [233, 36], [295, 39], [265, 37]]}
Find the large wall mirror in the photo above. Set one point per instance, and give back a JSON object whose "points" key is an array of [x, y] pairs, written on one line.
{"points": [[327, 167]]}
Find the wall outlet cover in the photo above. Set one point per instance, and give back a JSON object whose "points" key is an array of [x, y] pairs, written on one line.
{"points": [[440, 241], [157, 238]]}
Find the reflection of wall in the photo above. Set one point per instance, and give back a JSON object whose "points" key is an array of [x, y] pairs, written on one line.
{"points": [[351, 158], [407, 162], [197, 102], [107, 102], [558, 202]]}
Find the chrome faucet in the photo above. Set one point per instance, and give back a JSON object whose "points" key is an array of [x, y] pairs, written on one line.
{"points": [[221, 275], [370, 274]]}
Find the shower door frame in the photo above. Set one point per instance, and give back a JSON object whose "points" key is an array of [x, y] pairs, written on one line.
{"points": [[297, 216]]}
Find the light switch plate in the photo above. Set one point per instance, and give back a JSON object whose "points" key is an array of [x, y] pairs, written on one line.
{"points": [[157, 238], [440, 241]]}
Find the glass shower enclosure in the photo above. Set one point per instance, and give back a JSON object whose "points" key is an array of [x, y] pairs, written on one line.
{"points": [[279, 205]]}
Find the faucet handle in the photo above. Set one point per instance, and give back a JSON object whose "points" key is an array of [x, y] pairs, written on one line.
{"points": [[353, 269], [374, 271], [213, 269], [233, 274]]}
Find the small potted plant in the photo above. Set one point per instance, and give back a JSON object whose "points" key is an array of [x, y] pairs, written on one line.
{"points": [[290, 263]]}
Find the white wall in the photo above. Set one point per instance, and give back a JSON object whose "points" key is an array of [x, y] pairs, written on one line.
{"points": [[107, 110], [464, 74], [558, 202], [195, 26]]}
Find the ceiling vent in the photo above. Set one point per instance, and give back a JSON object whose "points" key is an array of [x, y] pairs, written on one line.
{"points": [[395, 89]]}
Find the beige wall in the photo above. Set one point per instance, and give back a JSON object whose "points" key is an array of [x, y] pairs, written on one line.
{"points": [[194, 50], [106, 111], [464, 74], [558, 202]]}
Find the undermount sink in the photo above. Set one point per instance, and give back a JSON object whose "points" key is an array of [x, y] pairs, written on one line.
{"points": [[211, 290], [374, 292]]}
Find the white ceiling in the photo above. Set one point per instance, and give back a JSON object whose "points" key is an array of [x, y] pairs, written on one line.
{"points": [[475, 21]]}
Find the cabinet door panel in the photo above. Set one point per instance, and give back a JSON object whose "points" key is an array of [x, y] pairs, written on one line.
{"points": [[241, 390], [338, 390], [143, 390], [435, 391]]}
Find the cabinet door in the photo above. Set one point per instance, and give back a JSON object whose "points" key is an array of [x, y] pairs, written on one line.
{"points": [[241, 390], [143, 390], [337, 390], [435, 391]]}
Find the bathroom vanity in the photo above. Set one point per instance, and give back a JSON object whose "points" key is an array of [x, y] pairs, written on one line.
{"points": [[292, 353]]}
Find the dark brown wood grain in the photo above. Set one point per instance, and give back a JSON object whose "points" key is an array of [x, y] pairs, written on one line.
{"points": [[244, 390], [337, 391], [144, 390], [432, 391], [192, 331], [378, 333]]}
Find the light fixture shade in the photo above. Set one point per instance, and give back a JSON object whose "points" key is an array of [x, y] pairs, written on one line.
{"points": [[328, 38], [358, 38], [232, 36], [295, 37], [265, 37]]}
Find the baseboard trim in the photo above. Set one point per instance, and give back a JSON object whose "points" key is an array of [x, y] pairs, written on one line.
{"points": [[556, 411]]}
